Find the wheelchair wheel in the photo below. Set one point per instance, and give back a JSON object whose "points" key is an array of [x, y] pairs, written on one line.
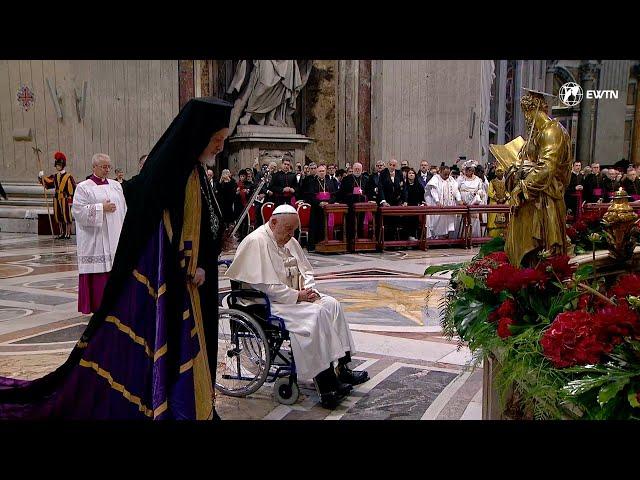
{"points": [[243, 354], [285, 393]]}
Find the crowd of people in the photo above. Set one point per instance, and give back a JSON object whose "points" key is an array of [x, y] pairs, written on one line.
{"points": [[389, 184], [599, 185]]}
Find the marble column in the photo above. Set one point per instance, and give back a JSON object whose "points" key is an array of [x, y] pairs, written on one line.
{"points": [[588, 81], [186, 82], [364, 114], [548, 81], [611, 113]]}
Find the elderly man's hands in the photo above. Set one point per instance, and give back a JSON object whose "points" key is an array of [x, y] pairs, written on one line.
{"points": [[307, 295]]}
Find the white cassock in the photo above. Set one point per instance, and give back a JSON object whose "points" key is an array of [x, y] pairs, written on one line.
{"points": [[319, 332], [473, 192], [446, 192], [97, 232]]}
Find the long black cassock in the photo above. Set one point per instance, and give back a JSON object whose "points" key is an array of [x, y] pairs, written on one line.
{"points": [[318, 190], [351, 191]]}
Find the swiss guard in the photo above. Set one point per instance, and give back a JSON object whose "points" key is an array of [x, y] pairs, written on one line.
{"points": [[65, 186]]}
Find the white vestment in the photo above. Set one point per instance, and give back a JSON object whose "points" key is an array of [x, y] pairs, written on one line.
{"points": [[97, 231], [473, 192], [319, 332], [446, 193]]}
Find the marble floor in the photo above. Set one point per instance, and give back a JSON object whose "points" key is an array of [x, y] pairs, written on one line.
{"points": [[392, 309]]}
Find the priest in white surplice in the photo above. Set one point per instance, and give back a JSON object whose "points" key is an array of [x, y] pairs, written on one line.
{"points": [[473, 192], [99, 209], [442, 191], [272, 261]]}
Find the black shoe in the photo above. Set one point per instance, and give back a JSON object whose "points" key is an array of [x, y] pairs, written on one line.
{"points": [[331, 390], [346, 375], [352, 377], [343, 388], [331, 400]]}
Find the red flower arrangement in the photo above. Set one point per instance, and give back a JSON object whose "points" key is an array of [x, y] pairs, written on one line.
{"points": [[503, 327], [508, 277], [579, 337], [627, 284], [560, 266], [616, 322], [572, 339], [508, 308], [483, 267]]}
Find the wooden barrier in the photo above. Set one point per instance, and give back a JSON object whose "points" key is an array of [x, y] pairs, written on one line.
{"points": [[366, 242], [461, 210], [332, 245], [401, 211], [602, 207], [486, 209]]}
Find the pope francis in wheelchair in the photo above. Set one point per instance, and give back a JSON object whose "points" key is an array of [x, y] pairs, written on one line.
{"points": [[274, 300]]}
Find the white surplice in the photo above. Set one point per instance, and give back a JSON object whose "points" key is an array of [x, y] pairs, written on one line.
{"points": [[97, 231], [473, 192], [447, 194], [319, 332]]}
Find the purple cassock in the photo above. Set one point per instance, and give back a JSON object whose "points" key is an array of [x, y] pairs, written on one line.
{"points": [[121, 373]]}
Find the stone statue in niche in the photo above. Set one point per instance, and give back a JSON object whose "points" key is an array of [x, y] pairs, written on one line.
{"points": [[267, 91]]}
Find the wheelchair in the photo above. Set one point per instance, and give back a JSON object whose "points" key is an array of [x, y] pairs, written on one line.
{"points": [[253, 347]]}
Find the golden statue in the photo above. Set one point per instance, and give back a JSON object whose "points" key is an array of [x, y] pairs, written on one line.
{"points": [[498, 195], [620, 227], [536, 177]]}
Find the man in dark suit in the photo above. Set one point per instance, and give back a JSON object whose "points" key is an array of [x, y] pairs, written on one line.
{"points": [[391, 184], [371, 190], [307, 181], [352, 190], [593, 189], [575, 185], [284, 183], [424, 175], [390, 189], [319, 190]]}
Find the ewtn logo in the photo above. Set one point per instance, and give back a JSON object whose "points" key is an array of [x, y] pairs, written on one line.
{"points": [[571, 94]]}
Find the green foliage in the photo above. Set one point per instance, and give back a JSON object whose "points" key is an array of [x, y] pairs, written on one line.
{"points": [[608, 391], [495, 245], [526, 372], [445, 268]]}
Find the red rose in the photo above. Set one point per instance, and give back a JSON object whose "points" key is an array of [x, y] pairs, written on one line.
{"points": [[508, 308], [572, 339], [584, 301], [616, 322], [498, 257], [503, 327], [483, 267], [559, 264], [572, 233], [500, 277], [528, 276], [508, 277], [627, 284]]}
